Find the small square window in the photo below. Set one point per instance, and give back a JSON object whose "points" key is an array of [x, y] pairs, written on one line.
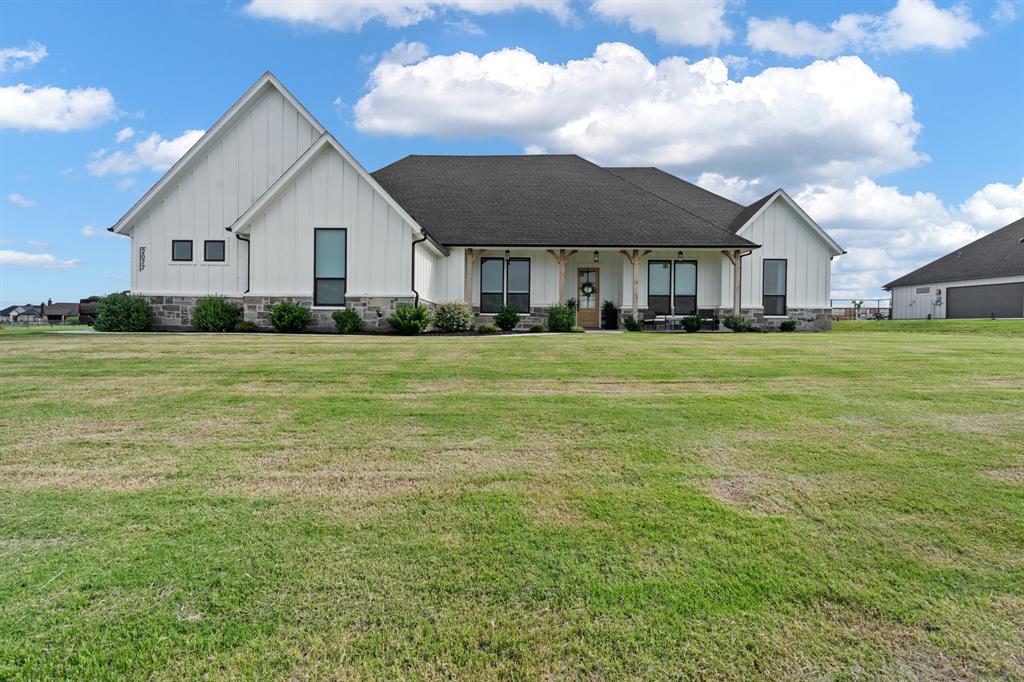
{"points": [[924, 290], [181, 250], [213, 250]]}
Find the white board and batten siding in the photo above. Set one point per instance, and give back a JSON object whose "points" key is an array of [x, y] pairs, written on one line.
{"points": [[918, 301], [208, 195], [784, 233], [328, 192]]}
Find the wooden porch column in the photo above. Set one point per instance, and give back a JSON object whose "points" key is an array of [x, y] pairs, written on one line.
{"points": [[737, 278], [634, 260], [560, 257], [471, 257]]}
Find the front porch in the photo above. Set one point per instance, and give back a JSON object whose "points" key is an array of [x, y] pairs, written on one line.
{"points": [[646, 283]]}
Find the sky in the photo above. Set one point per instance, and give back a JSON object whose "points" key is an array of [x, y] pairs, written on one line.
{"points": [[898, 125]]}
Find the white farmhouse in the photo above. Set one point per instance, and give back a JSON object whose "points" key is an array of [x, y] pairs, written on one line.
{"points": [[268, 205]]}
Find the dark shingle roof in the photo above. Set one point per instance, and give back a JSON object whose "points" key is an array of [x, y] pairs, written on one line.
{"points": [[999, 254], [540, 200], [61, 309], [694, 198]]}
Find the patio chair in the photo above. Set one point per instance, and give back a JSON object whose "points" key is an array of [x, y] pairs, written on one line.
{"points": [[708, 319]]}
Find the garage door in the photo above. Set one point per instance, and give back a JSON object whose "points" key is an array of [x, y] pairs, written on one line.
{"points": [[989, 300]]}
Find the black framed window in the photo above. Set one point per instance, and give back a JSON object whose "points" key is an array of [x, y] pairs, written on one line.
{"points": [[659, 286], [684, 287], [213, 250], [774, 294], [330, 267], [503, 282], [518, 284], [181, 249]]}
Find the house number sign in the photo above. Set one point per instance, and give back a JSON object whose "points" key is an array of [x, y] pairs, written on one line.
{"points": [[142, 258]]}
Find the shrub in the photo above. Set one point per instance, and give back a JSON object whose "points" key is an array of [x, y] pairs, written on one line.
{"points": [[289, 317], [71, 319], [246, 326], [538, 329], [609, 316], [487, 329], [692, 323], [347, 321], [409, 320], [561, 318], [632, 324], [122, 313], [738, 323], [507, 318], [787, 326], [576, 329], [215, 314], [453, 317]]}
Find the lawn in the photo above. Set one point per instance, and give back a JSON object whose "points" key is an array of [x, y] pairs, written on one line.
{"points": [[842, 505]]}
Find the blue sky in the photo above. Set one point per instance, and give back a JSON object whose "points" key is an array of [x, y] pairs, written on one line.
{"points": [[897, 125]]}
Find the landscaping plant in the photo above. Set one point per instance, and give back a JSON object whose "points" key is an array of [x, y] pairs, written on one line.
{"points": [[289, 317], [692, 323], [247, 326], [215, 314], [487, 329], [453, 317], [632, 324], [538, 329], [409, 320], [787, 326], [561, 318], [123, 313], [347, 321], [507, 318], [609, 315], [738, 323]]}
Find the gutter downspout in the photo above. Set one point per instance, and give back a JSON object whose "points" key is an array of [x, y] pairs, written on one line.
{"points": [[248, 262], [416, 301]]}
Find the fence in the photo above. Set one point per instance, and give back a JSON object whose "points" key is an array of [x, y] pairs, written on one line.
{"points": [[870, 308]]}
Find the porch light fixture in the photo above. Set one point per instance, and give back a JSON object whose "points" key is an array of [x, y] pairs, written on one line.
{"points": [[679, 256], [507, 254], [597, 256]]}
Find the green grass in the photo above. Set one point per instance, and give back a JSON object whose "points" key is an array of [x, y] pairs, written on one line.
{"points": [[843, 506]]}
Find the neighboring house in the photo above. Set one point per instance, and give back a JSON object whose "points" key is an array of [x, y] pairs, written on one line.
{"points": [[26, 314], [10, 312], [57, 313], [984, 279], [268, 205]]}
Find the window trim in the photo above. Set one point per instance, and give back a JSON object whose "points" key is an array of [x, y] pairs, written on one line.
{"points": [[224, 251], [191, 251], [785, 287], [671, 296], [504, 283], [344, 280]]}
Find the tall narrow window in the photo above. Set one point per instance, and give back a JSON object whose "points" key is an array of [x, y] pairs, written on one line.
{"points": [[659, 286], [329, 266], [685, 287], [774, 299], [492, 284], [181, 249], [518, 285]]}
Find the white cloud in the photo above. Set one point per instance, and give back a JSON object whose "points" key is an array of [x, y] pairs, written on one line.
{"points": [[154, 153], [92, 232], [338, 104], [696, 22], [1005, 11], [51, 108], [125, 183], [739, 190], [34, 260], [909, 25], [783, 126], [19, 200], [464, 26], [354, 14], [125, 134], [995, 205], [403, 53], [18, 58], [36, 244]]}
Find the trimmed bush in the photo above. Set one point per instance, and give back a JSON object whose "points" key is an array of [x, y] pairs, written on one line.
{"points": [[632, 324], [123, 313], [73, 319], [507, 318], [453, 317], [409, 320], [692, 323], [347, 321], [609, 316], [561, 318], [576, 329], [215, 314], [787, 326], [538, 329], [289, 318], [738, 323], [487, 329], [246, 326]]}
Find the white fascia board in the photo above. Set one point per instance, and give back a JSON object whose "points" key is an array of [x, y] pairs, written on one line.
{"points": [[268, 79], [781, 194]]}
